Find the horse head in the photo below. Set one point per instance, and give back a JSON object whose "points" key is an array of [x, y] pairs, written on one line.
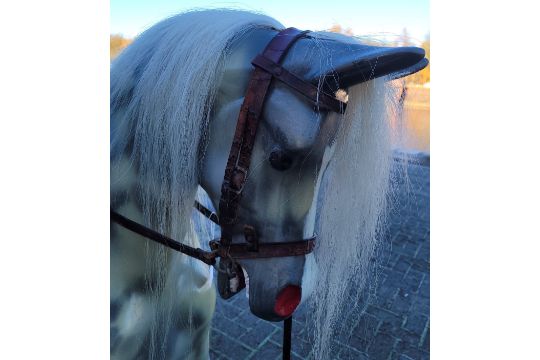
{"points": [[176, 93], [293, 147]]}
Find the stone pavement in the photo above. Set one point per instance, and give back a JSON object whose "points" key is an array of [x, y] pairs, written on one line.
{"points": [[395, 322]]}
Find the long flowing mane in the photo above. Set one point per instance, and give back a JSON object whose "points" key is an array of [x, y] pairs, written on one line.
{"points": [[163, 88], [352, 213]]}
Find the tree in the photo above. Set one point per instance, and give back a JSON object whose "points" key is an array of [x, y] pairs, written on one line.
{"points": [[336, 28], [422, 76], [118, 43], [404, 39]]}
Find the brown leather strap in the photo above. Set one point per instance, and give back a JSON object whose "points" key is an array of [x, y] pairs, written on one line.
{"points": [[236, 171], [197, 253], [264, 250], [235, 251], [212, 216], [320, 99], [281, 43]]}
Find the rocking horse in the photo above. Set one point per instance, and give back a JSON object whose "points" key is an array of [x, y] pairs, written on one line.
{"points": [[286, 131]]}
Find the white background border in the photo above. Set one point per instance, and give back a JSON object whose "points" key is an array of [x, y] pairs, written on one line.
{"points": [[54, 146], [54, 259]]}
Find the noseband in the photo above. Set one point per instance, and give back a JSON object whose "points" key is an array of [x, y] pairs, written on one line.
{"points": [[267, 67]]}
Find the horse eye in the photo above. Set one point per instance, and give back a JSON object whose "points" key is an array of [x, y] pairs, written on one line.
{"points": [[280, 160]]}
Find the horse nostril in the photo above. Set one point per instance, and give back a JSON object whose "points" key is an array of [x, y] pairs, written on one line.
{"points": [[287, 300]]}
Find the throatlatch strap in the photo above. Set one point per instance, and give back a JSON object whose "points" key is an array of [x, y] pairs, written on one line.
{"points": [[197, 253], [238, 163]]}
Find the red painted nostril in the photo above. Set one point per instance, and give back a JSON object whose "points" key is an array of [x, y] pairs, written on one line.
{"points": [[287, 300]]}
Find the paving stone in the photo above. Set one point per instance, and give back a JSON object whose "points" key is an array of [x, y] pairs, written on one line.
{"points": [[359, 342], [425, 342], [214, 355], [393, 258], [348, 353], [406, 250], [402, 302], [416, 323], [269, 351], [424, 288], [381, 347], [384, 315], [403, 264], [228, 311], [388, 328], [413, 279], [420, 265], [385, 297], [400, 239], [233, 328], [257, 334], [408, 337], [411, 352], [228, 347], [405, 357], [301, 314], [367, 326], [420, 305], [293, 357], [301, 348], [423, 252], [239, 300], [246, 317], [394, 280]]}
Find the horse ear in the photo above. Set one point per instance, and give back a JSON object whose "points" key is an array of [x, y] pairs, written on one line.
{"points": [[354, 63]]}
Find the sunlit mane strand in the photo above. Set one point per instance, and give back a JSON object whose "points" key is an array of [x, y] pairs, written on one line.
{"points": [[352, 211]]}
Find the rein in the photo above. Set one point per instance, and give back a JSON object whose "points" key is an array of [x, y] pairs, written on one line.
{"points": [[235, 251], [267, 66]]}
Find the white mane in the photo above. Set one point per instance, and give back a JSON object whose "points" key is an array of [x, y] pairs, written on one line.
{"points": [[163, 87], [352, 212], [162, 91]]}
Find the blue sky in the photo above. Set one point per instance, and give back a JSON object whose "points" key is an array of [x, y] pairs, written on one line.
{"points": [[384, 18]]}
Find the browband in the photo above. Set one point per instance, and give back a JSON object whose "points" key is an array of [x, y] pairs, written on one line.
{"points": [[318, 98]]}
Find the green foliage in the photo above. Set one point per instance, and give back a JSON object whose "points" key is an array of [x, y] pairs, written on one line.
{"points": [[118, 43]]}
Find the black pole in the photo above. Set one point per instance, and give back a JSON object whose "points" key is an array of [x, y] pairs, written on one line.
{"points": [[287, 330]]}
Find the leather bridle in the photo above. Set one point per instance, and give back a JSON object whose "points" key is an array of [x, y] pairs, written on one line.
{"points": [[267, 66]]}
